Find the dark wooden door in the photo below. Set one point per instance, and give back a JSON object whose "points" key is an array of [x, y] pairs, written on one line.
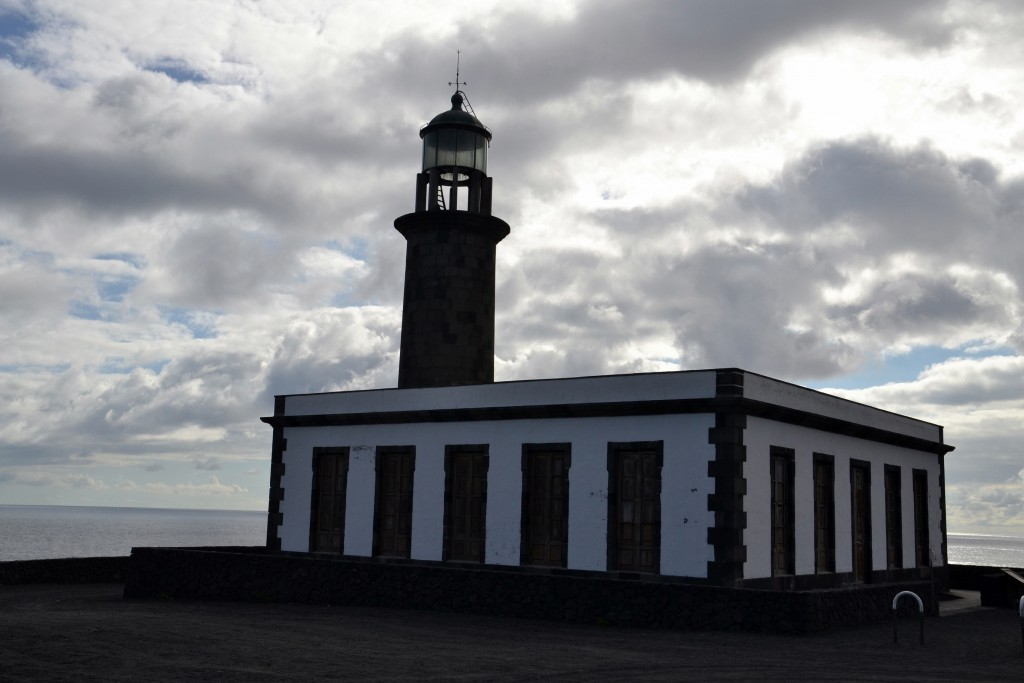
{"points": [[637, 511], [921, 545], [465, 505], [860, 500], [330, 479], [893, 519], [824, 527], [546, 507], [393, 515], [781, 512]]}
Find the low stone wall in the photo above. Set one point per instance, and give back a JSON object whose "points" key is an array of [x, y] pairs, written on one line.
{"points": [[69, 570], [581, 597]]}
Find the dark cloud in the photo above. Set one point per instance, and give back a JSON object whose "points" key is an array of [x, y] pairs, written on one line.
{"points": [[526, 57], [917, 200], [122, 184], [217, 264], [924, 306]]}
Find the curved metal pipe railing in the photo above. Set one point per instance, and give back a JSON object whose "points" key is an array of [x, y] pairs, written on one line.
{"points": [[1020, 613], [920, 613]]}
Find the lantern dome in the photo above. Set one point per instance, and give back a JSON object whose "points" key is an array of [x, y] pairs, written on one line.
{"points": [[455, 139]]}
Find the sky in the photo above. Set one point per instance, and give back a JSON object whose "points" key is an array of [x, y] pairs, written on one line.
{"points": [[197, 202]]}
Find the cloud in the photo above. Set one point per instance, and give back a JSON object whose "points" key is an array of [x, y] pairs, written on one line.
{"points": [[988, 507], [535, 56], [916, 199], [206, 463], [980, 382], [212, 487], [39, 478]]}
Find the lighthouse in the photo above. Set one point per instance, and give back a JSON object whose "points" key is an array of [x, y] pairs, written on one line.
{"points": [[451, 242]]}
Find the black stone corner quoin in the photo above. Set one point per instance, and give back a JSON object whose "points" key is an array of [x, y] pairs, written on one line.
{"points": [[726, 536], [275, 518]]}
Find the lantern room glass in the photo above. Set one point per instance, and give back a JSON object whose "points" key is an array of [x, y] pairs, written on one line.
{"points": [[449, 147]]}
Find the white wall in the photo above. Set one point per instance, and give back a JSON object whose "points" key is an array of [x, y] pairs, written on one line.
{"points": [[762, 434], [685, 484]]}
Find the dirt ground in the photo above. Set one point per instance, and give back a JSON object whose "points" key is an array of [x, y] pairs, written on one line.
{"points": [[88, 632]]}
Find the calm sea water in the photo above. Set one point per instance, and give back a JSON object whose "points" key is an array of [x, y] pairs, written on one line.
{"points": [[986, 551], [37, 532]]}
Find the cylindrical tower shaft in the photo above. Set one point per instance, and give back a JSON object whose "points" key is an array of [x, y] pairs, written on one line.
{"points": [[448, 309]]}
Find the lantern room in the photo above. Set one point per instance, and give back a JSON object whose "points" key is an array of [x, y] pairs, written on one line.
{"points": [[454, 175]]}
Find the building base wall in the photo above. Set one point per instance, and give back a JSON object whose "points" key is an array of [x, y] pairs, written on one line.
{"points": [[558, 595], [64, 570]]}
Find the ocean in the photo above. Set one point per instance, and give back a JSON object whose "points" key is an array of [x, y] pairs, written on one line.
{"points": [[986, 551], [39, 532]]}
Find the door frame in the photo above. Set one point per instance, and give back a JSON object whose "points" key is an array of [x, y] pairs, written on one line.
{"points": [[614, 449]]}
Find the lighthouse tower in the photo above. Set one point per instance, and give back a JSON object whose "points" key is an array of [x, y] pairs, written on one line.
{"points": [[451, 239]]}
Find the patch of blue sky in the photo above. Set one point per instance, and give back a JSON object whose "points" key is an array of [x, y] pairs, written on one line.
{"points": [[905, 367], [356, 247], [33, 368], [178, 71], [199, 323], [157, 366], [119, 366], [134, 260], [15, 27], [85, 310], [115, 288], [343, 299], [122, 367], [115, 366]]}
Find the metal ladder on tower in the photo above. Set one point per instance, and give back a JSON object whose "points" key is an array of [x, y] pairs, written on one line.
{"points": [[440, 197]]}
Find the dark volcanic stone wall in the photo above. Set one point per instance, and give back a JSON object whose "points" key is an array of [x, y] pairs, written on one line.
{"points": [[448, 308], [561, 596], [69, 570]]}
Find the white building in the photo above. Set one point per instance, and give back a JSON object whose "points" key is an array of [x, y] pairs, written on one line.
{"points": [[721, 475]]}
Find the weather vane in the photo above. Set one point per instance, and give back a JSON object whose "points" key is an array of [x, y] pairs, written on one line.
{"points": [[458, 63]]}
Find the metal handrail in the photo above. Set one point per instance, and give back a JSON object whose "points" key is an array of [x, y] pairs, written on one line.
{"points": [[1020, 613], [920, 613]]}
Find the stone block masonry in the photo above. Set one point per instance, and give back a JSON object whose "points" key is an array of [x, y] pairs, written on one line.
{"points": [[448, 309], [66, 570], [559, 595]]}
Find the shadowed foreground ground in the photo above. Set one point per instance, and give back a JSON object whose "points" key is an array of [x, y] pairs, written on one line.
{"points": [[88, 632]]}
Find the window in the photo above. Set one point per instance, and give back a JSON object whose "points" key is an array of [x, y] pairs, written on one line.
{"points": [[893, 518], [922, 549], [824, 514], [860, 518], [465, 503], [392, 518], [327, 521], [634, 506], [783, 518], [545, 511]]}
